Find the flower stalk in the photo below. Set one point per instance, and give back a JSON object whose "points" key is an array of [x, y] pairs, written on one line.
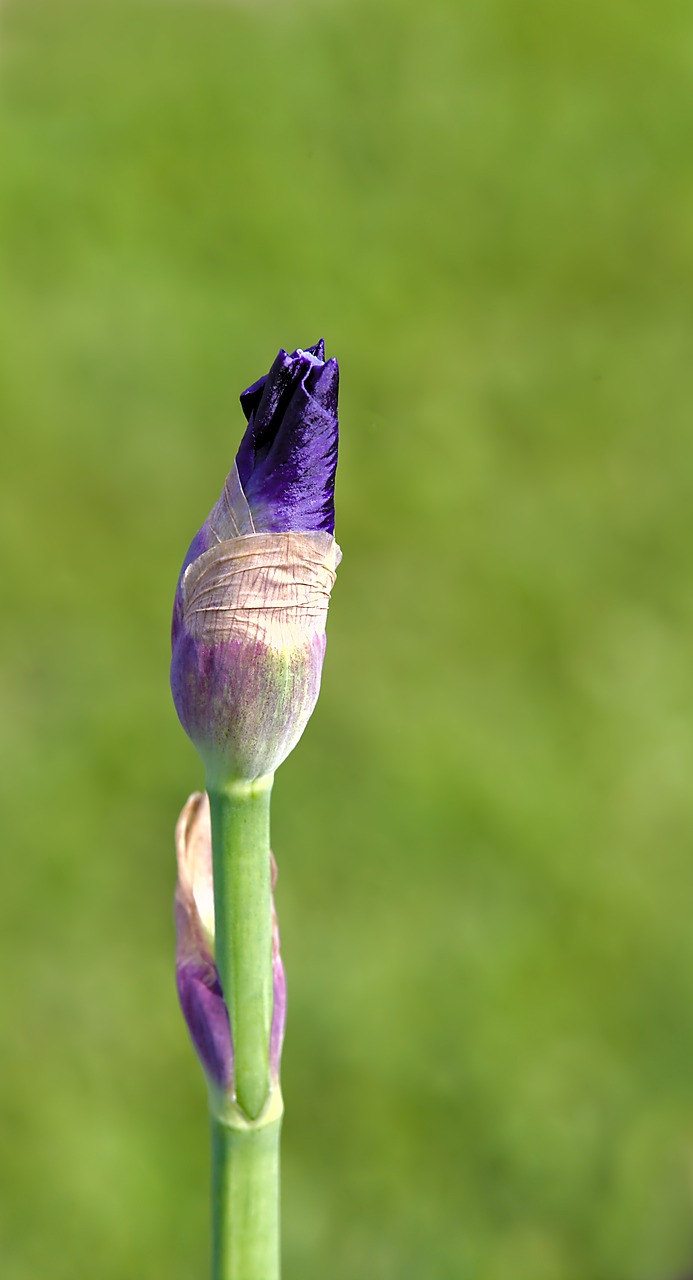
{"points": [[234, 903], [245, 1200], [243, 930]]}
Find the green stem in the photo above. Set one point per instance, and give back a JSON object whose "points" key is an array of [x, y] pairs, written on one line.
{"points": [[245, 1199], [243, 930]]}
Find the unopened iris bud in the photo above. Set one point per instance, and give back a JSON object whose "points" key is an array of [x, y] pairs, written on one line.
{"points": [[199, 989], [251, 604]]}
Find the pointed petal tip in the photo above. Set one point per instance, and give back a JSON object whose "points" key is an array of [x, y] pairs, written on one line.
{"points": [[328, 376]]}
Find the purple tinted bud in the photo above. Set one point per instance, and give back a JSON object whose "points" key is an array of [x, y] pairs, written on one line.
{"points": [[249, 614], [197, 980], [205, 1013], [199, 989]]}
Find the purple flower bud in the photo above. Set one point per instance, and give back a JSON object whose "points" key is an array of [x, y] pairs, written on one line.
{"points": [[199, 989], [249, 615]]}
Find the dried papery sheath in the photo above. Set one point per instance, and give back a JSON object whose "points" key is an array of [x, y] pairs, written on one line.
{"points": [[269, 587], [199, 989], [250, 609]]}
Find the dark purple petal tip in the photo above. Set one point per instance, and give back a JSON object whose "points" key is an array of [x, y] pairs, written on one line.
{"points": [[288, 456]]}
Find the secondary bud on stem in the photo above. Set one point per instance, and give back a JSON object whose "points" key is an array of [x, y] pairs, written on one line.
{"points": [[251, 604], [199, 989]]}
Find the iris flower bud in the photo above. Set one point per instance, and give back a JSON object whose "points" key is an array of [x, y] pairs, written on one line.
{"points": [[251, 603], [199, 989]]}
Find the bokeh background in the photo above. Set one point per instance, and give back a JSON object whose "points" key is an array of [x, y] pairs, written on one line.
{"points": [[485, 837]]}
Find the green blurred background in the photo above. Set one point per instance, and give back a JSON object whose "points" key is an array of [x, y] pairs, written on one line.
{"points": [[485, 837]]}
